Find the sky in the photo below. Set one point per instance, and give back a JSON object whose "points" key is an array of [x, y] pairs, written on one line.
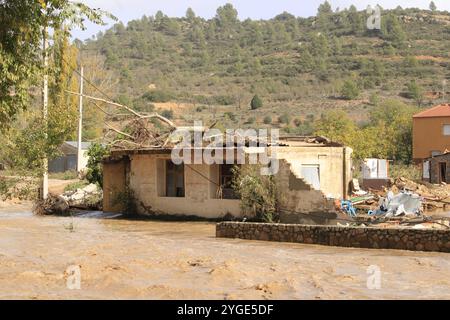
{"points": [[126, 10]]}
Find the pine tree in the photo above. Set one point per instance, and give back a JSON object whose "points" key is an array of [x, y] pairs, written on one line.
{"points": [[256, 102], [433, 6]]}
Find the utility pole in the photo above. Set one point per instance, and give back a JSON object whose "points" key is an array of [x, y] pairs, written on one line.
{"points": [[80, 124], [45, 113], [444, 89]]}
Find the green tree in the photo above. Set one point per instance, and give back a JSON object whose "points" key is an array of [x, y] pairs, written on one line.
{"points": [[324, 14], [392, 31], [256, 102], [258, 193], [392, 125], [415, 92], [30, 143], [226, 19], [96, 153], [335, 125], [349, 90], [374, 99], [433, 6], [21, 35], [190, 15], [355, 20], [284, 118]]}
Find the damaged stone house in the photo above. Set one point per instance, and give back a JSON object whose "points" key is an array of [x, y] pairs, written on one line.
{"points": [[437, 169], [313, 172]]}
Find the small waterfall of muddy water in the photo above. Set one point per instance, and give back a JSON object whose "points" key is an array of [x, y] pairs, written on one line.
{"points": [[119, 258]]}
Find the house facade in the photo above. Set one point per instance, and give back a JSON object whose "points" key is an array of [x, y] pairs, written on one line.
{"points": [[312, 172], [431, 132], [437, 169]]}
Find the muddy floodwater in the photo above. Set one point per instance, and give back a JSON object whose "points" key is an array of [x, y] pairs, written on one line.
{"points": [[123, 259]]}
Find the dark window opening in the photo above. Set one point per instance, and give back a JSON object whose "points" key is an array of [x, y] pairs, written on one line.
{"points": [[226, 181], [174, 180], [442, 172]]}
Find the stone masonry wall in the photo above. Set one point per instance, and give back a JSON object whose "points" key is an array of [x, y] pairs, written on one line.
{"points": [[377, 238]]}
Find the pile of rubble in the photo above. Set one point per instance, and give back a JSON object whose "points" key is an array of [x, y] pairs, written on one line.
{"points": [[434, 196], [87, 198], [405, 203]]}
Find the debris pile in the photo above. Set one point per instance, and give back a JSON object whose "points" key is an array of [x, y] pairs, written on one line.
{"points": [[406, 203], [434, 196], [402, 204], [89, 197], [141, 133]]}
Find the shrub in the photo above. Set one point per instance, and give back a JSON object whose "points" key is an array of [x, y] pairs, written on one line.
{"points": [[96, 153], [414, 91], [256, 103], [127, 200], [251, 120], [411, 172], [267, 120], [284, 118], [200, 108], [224, 100], [167, 114], [158, 96], [257, 192], [349, 90], [297, 122], [374, 99], [230, 115]]}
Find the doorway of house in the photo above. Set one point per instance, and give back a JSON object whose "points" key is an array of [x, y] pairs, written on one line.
{"points": [[443, 172]]}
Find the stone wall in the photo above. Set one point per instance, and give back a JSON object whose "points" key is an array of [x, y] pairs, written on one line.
{"points": [[404, 239]]}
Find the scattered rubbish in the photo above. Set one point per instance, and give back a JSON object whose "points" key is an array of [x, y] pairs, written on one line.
{"points": [[363, 199], [404, 203], [348, 208], [357, 189]]}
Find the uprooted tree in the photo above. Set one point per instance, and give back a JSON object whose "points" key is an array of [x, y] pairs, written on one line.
{"points": [[139, 131]]}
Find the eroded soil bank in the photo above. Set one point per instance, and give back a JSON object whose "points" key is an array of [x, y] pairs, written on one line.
{"points": [[122, 259]]}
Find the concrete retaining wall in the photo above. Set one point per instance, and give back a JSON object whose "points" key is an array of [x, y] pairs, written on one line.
{"points": [[404, 239]]}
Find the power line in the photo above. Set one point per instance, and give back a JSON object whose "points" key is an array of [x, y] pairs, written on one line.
{"points": [[87, 80]]}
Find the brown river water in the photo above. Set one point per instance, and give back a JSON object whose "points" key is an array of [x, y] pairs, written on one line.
{"points": [[125, 259]]}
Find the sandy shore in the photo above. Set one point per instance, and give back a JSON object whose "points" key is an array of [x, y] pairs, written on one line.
{"points": [[120, 259]]}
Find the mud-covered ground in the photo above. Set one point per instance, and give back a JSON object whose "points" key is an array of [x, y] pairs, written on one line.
{"points": [[121, 259]]}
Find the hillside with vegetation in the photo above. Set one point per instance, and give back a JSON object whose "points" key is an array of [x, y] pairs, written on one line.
{"points": [[327, 74], [299, 68]]}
